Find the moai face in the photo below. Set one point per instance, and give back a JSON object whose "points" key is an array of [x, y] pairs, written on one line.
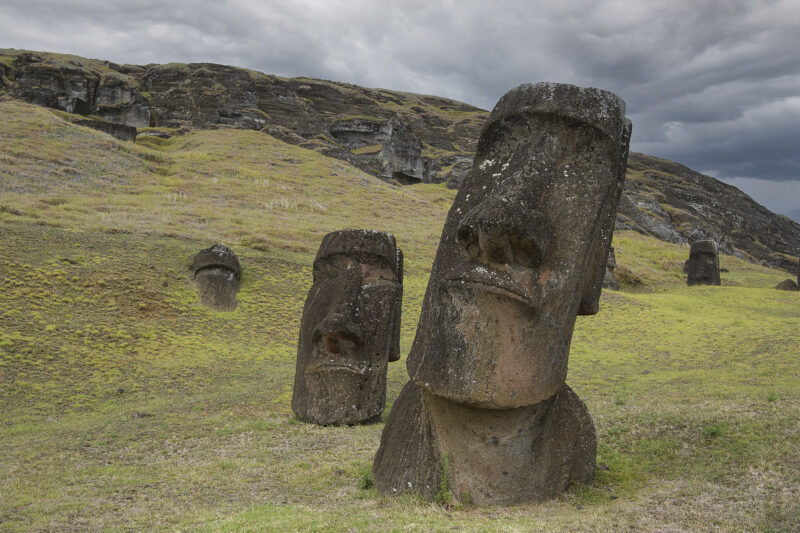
{"points": [[350, 328], [703, 264], [524, 248], [217, 274]]}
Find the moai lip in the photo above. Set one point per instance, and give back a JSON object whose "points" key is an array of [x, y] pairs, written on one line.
{"points": [[523, 251], [350, 329], [217, 274], [702, 267]]}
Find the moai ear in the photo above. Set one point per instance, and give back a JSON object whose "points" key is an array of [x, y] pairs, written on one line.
{"points": [[593, 279], [597, 258]]}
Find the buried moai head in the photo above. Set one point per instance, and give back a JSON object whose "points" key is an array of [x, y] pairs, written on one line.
{"points": [[609, 281], [702, 267], [524, 247], [217, 274], [350, 328]]}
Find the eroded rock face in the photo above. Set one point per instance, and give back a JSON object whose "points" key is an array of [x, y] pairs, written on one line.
{"points": [[217, 274], [702, 267], [609, 281], [74, 88], [350, 329], [523, 251]]}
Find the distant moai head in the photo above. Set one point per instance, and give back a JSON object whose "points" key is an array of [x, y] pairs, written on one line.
{"points": [[609, 281], [350, 328], [217, 274], [524, 247], [702, 268]]}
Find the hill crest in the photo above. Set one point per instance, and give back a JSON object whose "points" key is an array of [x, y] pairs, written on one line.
{"points": [[402, 137]]}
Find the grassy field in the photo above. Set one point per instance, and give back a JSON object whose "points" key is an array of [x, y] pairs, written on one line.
{"points": [[129, 406]]}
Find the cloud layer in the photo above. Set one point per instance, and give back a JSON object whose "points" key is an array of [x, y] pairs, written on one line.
{"points": [[713, 84]]}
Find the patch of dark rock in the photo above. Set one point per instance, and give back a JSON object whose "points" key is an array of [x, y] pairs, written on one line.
{"points": [[787, 285]]}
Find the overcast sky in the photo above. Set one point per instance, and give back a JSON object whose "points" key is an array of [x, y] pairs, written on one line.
{"points": [[712, 84]]}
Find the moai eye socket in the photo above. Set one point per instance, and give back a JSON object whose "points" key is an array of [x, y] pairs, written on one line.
{"points": [[333, 266]]}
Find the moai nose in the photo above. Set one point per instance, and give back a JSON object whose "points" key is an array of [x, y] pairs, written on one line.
{"points": [[497, 234], [337, 335]]}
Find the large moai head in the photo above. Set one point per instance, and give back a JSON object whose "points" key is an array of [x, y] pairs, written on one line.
{"points": [[524, 247], [217, 274], [702, 268], [350, 328]]}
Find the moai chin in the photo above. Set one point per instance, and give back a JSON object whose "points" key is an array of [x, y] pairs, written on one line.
{"points": [[609, 281], [702, 267], [217, 275], [523, 251], [350, 329]]}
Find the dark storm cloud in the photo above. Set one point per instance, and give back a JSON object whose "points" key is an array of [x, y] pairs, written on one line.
{"points": [[713, 84]]}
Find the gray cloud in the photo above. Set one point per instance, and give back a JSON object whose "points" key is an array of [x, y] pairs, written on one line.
{"points": [[713, 84]]}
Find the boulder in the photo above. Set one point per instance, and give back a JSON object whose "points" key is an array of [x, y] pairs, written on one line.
{"points": [[787, 285]]}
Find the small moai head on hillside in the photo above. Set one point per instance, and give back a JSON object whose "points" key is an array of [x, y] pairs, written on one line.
{"points": [[702, 268], [524, 247], [217, 275], [609, 281], [350, 329]]}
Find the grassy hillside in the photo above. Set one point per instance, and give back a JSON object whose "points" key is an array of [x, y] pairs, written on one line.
{"points": [[127, 405]]}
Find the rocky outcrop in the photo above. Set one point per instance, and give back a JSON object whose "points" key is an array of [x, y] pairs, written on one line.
{"points": [[120, 131], [73, 86], [676, 204], [406, 137]]}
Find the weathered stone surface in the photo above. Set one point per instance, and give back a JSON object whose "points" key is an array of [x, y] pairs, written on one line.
{"points": [[217, 274], [787, 285], [609, 281], [523, 251], [350, 329], [702, 267]]}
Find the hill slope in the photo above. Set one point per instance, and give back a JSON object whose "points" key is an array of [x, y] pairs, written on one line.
{"points": [[128, 405], [404, 137]]}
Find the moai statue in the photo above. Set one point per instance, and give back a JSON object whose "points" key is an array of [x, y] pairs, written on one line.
{"points": [[523, 251], [217, 274], [350, 329], [702, 267], [609, 281]]}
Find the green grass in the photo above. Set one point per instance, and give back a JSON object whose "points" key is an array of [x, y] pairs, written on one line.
{"points": [[129, 406]]}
